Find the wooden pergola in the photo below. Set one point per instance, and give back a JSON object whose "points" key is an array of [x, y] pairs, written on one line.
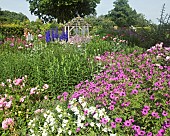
{"points": [[77, 26]]}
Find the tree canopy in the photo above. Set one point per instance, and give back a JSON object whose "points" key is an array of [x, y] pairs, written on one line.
{"points": [[11, 17], [62, 10], [124, 15]]}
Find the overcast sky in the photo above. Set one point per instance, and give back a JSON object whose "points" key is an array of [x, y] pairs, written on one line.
{"points": [[150, 8]]}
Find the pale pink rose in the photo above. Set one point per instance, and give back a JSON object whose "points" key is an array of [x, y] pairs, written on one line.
{"points": [[167, 58], [46, 97], [8, 104], [32, 91], [45, 86], [17, 81], [2, 84], [10, 121], [7, 122], [98, 58], [4, 125], [26, 46], [37, 111], [22, 99]]}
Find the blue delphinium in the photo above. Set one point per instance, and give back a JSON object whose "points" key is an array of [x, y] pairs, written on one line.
{"points": [[53, 34], [56, 33], [47, 36]]}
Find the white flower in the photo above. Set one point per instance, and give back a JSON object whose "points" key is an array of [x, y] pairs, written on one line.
{"points": [[98, 124], [167, 58], [58, 109], [81, 117], [92, 124], [101, 112], [79, 124], [65, 121], [60, 130], [60, 116], [44, 133], [81, 99], [84, 104], [105, 130], [96, 116], [92, 109], [69, 132]]}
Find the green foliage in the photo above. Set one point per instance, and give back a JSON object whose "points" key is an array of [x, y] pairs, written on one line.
{"points": [[62, 10], [62, 67], [7, 17], [9, 30], [124, 15]]}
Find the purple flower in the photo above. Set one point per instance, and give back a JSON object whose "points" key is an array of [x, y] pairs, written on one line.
{"points": [[152, 97], [155, 114], [118, 120], [149, 134], [12, 44], [144, 111], [134, 91], [111, 107], [164, 113], [78, 129], [141, 133], [113, 125], [127, 123], [104, 121]]}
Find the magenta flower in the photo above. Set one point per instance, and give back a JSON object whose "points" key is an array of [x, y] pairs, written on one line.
{"points": [[78, 129], [141, 133], [164, 113], [118, 120], [155, 114], [144, 111], [149, 134], [152, 97], [127, 123], [17, 81], [85, 112], [12, 44], [111, 107], [134, 91], [104, 121], [147, 107], [113, 125]]}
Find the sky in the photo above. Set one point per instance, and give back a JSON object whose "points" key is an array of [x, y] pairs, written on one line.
{"points": [[150, 8]]}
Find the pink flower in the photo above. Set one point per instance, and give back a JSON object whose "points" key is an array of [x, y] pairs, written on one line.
{"points": [[111, 107], [104, 121], [77, 130], [32, 91], [46, 97], [4, 125], [113, 125], [8, 104], [164, 113], [22, 99], [144, 111], [127, 123], [17, 81], [45, 86], [118, 120], [7, 122]]}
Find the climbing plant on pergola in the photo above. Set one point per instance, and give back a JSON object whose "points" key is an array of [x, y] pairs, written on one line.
{"points": [[77, 26]]}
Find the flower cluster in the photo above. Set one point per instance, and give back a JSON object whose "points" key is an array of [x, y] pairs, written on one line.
{"points": [[7, 123]]}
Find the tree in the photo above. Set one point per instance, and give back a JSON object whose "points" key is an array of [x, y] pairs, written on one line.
{"points": [[123, 14], [11, 17], [62, 10]]}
